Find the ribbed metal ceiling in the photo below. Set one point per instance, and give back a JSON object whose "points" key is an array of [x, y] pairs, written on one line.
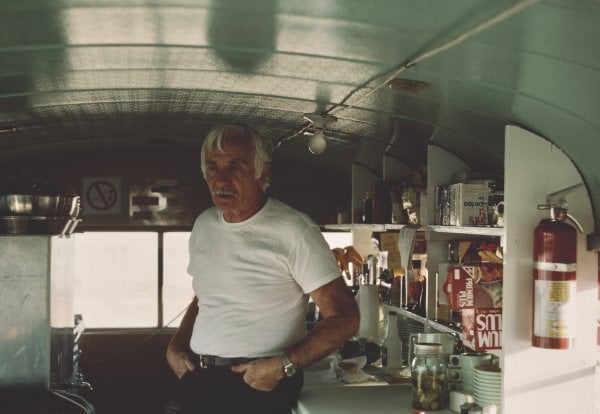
{"points": [[84, 74]]}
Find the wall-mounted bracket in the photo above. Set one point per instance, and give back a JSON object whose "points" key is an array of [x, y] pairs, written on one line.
{"points": [[557, 204], [593, 241], [557, 199]]}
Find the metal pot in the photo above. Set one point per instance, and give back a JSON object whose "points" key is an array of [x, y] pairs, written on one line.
{"points": [[39, 205]]}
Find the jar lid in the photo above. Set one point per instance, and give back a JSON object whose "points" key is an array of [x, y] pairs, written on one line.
{"points": [[428, 348]]}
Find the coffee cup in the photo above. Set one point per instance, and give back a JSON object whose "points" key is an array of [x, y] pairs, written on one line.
{"points": [[464, 365], [454, 374], [469, 360], [499, 214], [458, 398]]}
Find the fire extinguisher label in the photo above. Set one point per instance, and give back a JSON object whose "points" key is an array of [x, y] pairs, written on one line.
{"points": [[555, 313], [555, 267]]}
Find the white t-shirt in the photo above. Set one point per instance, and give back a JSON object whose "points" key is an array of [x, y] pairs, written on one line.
{"points": [[252, 279]]}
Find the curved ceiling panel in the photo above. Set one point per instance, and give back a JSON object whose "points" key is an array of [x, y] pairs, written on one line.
{"points": [[88, 74]]}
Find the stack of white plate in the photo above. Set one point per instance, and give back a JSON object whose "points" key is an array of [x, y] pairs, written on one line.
{"points": [[487, 380]]}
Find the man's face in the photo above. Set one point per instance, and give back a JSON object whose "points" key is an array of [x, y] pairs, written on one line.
{"points": [[230, 176]]}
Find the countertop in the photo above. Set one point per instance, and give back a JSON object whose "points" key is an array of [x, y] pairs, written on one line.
{"points": [[321, 395]]}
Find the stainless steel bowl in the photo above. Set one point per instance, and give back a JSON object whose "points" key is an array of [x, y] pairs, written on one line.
{"points": [[39, 205], [37, 225]]}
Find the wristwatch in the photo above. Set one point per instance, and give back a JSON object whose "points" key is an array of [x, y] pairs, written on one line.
{"points": [[288, 366]]}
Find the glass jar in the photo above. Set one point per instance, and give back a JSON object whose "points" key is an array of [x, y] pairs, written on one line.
{"points": [[428, 376]]}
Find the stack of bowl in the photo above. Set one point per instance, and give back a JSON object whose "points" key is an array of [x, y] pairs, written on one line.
{"points": [[487, 385], [38, 214]]}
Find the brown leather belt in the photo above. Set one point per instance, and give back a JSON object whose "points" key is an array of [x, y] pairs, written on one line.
{"points": [[207, 361]]}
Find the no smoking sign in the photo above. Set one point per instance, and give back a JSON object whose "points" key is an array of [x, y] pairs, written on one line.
{"points": [[101, 195]]}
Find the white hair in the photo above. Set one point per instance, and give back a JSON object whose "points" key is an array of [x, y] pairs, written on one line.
{"points": [[263, 146]]}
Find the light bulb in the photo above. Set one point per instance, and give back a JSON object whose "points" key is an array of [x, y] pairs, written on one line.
{"points": [[317, 143]]}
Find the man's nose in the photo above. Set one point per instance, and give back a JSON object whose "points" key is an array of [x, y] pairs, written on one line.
{"points": [[222, 174]]}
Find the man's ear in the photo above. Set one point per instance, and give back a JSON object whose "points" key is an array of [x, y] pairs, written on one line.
{"points": [[264, 176]]}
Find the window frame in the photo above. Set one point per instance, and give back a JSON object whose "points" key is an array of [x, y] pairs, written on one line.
{"points": [[160, 231]]}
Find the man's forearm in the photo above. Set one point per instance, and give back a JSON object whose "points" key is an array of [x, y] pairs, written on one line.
{"points": [[323, 339], [340, 321]]}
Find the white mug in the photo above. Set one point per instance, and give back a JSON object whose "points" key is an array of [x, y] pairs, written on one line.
{"points": [[499, 213], [458, 398], [464, 367], [469, 360], [454, 374]]}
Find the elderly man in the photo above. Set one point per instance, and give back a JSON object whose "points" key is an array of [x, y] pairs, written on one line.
{"points": [[255, 261]]}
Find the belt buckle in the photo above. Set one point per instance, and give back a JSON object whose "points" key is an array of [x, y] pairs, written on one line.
{"points": [[205, 361]]}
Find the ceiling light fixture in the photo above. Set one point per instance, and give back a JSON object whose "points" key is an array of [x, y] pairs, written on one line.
{"points": [[407, 85], [316, 141]]}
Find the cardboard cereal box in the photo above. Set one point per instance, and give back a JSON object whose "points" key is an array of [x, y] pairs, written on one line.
{"points": [[482, 328], [474, 286]]}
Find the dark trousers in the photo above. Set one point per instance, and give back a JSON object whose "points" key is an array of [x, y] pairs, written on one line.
{"points": [[218, 390]]}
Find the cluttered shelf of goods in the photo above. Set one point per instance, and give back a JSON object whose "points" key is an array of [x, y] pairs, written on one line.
{"points": [[465, 257], [470, 291], [455, 288]]}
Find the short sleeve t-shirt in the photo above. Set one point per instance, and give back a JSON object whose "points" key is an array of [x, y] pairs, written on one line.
{"points": [[252, 280]]}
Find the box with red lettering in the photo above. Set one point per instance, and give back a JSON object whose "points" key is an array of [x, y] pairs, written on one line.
{"points": [[482, 328], [474, 286], [469, 203]]}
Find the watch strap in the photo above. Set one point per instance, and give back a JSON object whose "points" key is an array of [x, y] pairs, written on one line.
{"points": [[289, 369]]}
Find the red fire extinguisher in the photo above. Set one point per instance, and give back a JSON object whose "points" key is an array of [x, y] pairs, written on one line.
{"points": [[554, 278]]}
